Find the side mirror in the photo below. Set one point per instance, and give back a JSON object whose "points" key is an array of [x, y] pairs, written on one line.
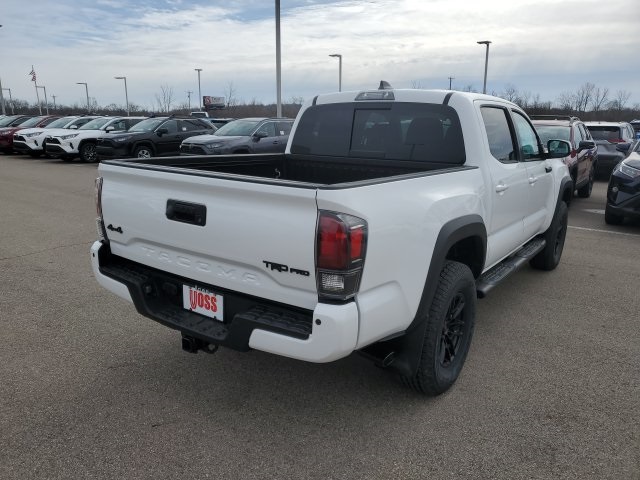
{"points": [[161, 131], [110, 128], [258, 135], [558, 148], [73, 127], [586, 145]]}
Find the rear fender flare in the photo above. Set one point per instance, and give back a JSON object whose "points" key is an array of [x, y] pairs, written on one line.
{"points": [[408, 347]]}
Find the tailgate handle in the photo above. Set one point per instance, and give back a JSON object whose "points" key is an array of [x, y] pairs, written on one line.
{"points": [[186, 212]]}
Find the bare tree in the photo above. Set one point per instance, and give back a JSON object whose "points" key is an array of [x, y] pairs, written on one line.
{"points": [[620, 100], [567, 101], [583, 96], [510, 93], [416, 84], [599, 99], [230, 95], [165, 98]]}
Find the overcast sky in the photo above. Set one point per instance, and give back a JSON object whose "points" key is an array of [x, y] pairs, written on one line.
{"points": [[544, 47]]}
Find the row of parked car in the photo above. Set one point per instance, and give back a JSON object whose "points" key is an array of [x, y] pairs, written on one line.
{"points": [[92, 138], [598, 148], [606, 149]]}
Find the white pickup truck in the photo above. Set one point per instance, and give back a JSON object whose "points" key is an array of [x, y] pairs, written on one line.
{"points": [[388, 214]]}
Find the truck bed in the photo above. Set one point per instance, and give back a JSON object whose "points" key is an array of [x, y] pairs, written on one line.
{"points": [[309, 170]]}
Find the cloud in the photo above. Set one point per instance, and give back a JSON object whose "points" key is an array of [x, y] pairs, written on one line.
{"points": [[157, 43]]}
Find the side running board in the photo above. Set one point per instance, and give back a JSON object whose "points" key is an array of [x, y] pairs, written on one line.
{"points": [[498, 273]]}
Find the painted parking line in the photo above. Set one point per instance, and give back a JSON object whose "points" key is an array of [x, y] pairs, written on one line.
{"points": [[599, 212], [605, 231]]}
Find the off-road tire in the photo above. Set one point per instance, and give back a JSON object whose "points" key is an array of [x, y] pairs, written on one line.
{"points": [[448, 333], [549, 257]]}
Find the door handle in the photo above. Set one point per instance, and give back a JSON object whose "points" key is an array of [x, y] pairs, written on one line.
{"points": [[533, 180], [501, 187], [547, 169]]}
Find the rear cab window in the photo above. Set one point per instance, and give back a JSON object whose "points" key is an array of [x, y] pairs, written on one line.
{"points": [[399, 131]]}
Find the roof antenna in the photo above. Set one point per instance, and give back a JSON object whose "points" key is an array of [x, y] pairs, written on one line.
{"points": [[385, 85]]}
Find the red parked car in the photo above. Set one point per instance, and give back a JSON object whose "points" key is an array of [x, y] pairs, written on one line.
{"points": [[25, 121]]}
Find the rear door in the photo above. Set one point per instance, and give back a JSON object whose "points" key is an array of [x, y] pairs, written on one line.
{"points": [[254, 238], [539, 179]]}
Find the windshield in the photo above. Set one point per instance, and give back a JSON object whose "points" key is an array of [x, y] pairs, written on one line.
{"points": [[32, 122], [611, 134], [61, 122], [241, 128], [7, 121], [147, 125], [552, 132], [95, 124]]}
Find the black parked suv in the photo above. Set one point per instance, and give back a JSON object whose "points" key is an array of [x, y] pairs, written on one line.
{"points": [[247, 135], [153, 137], [615, 141], [623, 192]]}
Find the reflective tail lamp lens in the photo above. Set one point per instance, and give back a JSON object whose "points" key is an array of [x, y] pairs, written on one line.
{"points": [[340, 252], [102, 234]]}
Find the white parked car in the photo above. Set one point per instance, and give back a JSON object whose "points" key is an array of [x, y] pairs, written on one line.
{"points": [[32, 140], [82, 142]]}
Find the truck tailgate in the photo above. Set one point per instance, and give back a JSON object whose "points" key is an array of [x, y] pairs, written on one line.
{"points": [[226, 233]]}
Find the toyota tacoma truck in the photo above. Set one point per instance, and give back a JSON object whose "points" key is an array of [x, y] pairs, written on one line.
{"points": [[388, 214]]}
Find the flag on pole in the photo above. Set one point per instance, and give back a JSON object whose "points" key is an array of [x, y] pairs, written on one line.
{"points": [[33, 74]]}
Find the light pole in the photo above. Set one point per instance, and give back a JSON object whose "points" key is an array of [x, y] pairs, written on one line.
{"points": [[4, 112], [199, 91], [10, 100], [339, 57], [86, 87], [46, 102], [54, 102], [450, 78], [189, 92], [126, 94], [486, 63], [278, 64]]}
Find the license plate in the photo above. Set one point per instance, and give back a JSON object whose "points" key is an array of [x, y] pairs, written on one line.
{"points": [[203, 301]]}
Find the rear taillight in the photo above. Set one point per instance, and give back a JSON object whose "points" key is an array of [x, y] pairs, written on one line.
{"points": [[102, 234], [616, 140], [341, 242]]}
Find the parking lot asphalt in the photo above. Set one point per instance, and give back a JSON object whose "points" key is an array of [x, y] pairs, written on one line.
{"points": [[90, 389]]}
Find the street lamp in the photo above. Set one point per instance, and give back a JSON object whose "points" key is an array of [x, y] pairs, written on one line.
{"points": [[199, 91], [278, 63], [339, 57], [86, 87], [10, 100], [486, 63], [126, 94]]}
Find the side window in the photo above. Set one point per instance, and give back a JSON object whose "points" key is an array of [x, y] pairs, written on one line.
{"points": [[527, 137], [119, 125], [269, 128], [284, 128], [189, 126], [498, 134], [171, 126]]}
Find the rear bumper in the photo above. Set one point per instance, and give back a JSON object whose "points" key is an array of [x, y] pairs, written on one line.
{"points": [[327, 333]]}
